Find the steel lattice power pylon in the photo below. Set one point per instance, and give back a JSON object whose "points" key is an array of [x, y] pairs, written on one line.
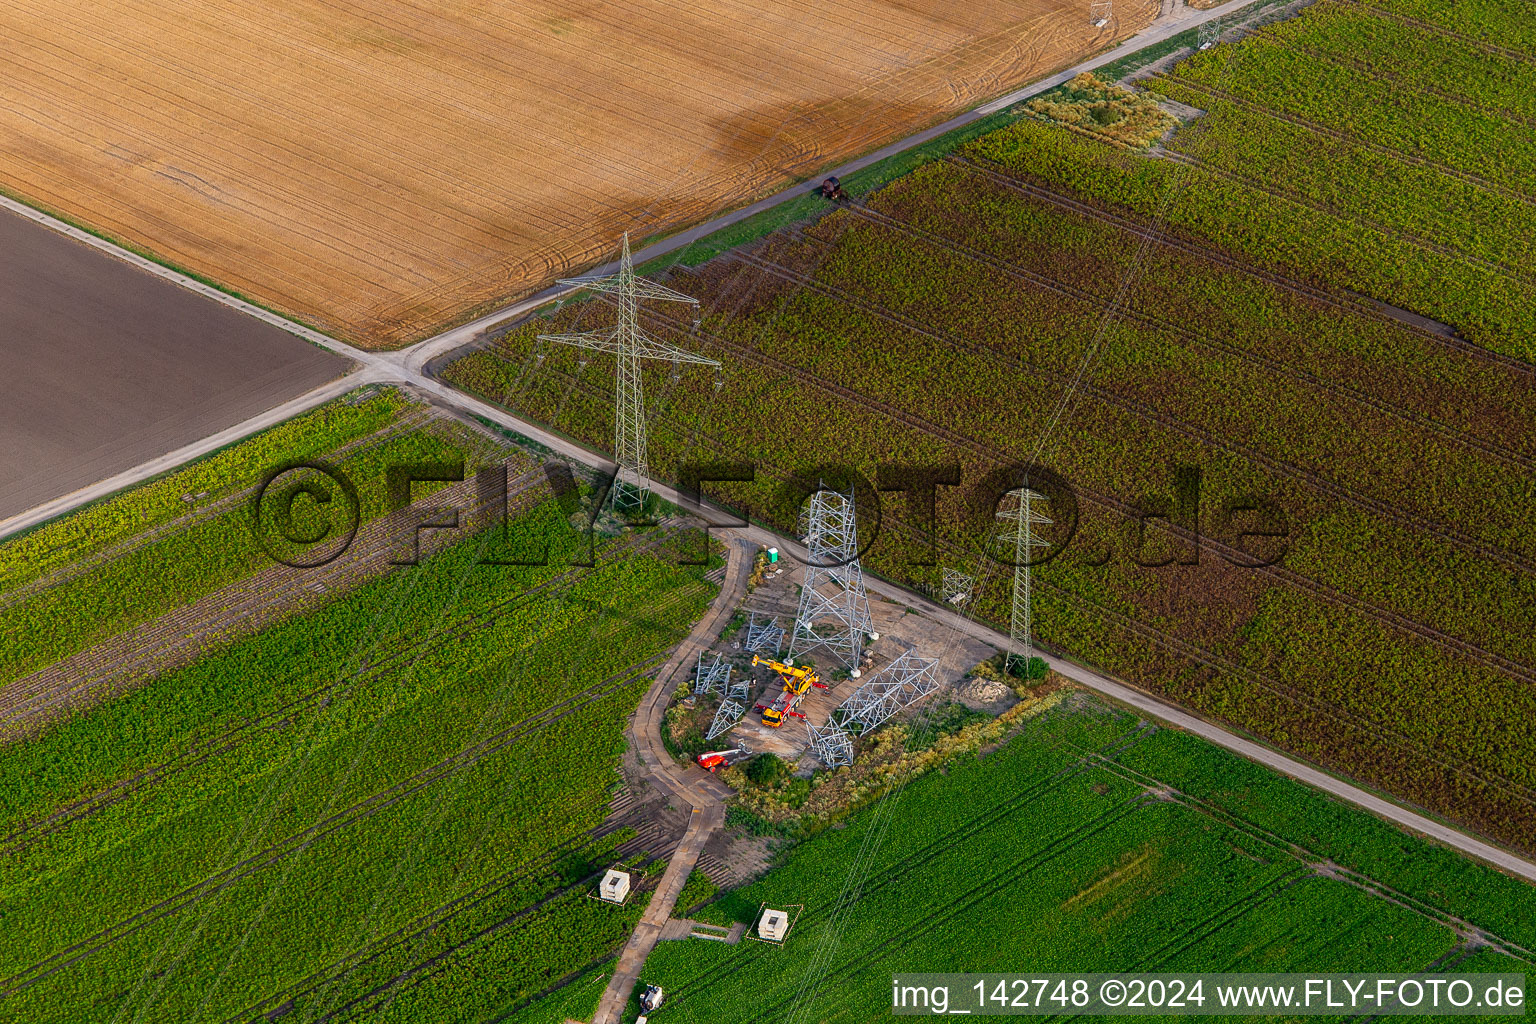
{"points": [[1100, 11], [830, 745], [1210, 33], [903, 683], [764, 635], [714, 676], [956, 587], [1021, 520], [735, 695], [630, 344], [834, 611], [730, 713]]}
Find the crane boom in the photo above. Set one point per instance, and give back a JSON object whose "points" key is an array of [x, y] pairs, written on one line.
{"points": [[797, 683]]}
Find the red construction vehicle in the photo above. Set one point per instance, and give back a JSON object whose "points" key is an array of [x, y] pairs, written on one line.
{"points": [[797, 683], [714, 760]]}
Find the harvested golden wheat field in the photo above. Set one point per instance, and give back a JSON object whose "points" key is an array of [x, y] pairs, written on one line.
{"points": [[381, 169]]}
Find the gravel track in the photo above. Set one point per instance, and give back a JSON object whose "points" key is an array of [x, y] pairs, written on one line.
{"points": [[21, 838], [1028, 791], [1210, 659], [1201, 656], [996, 456], [278, 717], [967, 894], [77, 567], [1239, 823]]}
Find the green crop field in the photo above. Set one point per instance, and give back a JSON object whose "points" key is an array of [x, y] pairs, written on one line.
{"points": [[1041, 295], [121, 564], [1091, 842], [385, 807], [1381, 146]]}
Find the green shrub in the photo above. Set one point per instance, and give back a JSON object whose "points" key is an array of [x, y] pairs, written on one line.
{"points": [[944, 721], [766, 770]]}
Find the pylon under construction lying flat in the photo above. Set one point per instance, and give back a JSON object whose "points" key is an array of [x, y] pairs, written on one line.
{"points": [[903, 683], [830, 745], [834, 610], [764, 635], [714, 674]]}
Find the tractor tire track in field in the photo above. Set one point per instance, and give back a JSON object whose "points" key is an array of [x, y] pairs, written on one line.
{"points": [[1199, 655], [1376, 10], [359, 811], [1036, 787], [1386, 510], [683, 784], [240, 609], [1319, 864], [1210, 659], [997, 457], [276, 718], [1516, 277], [77, 567], [277, 1004], [1353, 720], [1439, 333], [1508, 192], [1213, 922], [960, 902], [430, 921], [19, 839], [1390, 78], [1201, 339], [1220, 919], [392, 986]]}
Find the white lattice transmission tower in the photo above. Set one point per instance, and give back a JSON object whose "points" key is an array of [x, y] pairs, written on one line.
{"points": [[629, 345], [714, 674], [1100, 11], [956, 587], [1018, 531], [834, 610], [764, 634], [903, 683], [1209, 34], [726, 718], [830, 745]]}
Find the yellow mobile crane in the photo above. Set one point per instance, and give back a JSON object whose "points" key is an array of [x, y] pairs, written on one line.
{"points": [[797, 682]]}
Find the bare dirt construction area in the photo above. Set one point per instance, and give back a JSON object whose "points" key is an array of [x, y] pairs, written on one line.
{"points": [[107, 366], [900, 630], [383, 169]]}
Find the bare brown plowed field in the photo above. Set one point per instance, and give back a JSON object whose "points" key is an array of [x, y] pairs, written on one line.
{"points": [[383, 168], [107, 366]]}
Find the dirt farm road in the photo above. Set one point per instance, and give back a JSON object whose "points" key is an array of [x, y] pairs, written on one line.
{"points": [[704, 793], [406, 367]]}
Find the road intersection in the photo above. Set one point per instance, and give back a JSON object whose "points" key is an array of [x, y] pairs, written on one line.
{"points": [[408, 367]]}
